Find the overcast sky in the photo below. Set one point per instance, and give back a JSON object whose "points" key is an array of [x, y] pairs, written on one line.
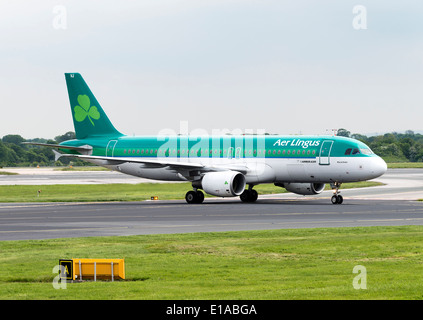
{"points": [[287, 67]]}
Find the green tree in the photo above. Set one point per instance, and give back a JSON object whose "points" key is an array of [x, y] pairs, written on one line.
{"points": [[360, 137], [13, 138], [343, 133], [67, 136]]}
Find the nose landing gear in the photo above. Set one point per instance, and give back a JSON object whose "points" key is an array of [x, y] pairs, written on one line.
{"points": [[336, 198]]}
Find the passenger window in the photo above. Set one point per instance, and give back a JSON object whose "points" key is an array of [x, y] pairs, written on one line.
{"points": [[348, 152], [355, 151]]}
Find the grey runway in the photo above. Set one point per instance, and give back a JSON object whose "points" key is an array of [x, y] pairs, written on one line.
{"points": [[49, 176], [390, 205], [64, 220]]}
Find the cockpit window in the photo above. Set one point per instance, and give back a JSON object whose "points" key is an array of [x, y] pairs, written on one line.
{"points": [[355, 151], [366, 151], [348, 152]]}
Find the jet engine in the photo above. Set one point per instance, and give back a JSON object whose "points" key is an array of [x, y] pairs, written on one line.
{"points": [[303, 188], [222, 183]]}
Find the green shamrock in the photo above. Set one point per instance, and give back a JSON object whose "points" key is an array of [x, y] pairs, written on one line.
{"points": [[86, 110]]}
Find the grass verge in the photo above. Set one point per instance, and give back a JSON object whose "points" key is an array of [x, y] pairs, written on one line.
{"points": [[87, 168], [119, 192], [401, 165], [272, 264]]}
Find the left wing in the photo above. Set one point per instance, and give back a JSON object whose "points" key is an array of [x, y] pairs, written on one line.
{"points": [[120, 160], [177, 165]]}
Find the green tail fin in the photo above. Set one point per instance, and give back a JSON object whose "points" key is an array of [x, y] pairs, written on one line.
{"points": [[89, 119]]}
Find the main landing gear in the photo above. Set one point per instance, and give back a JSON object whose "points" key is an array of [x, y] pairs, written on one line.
{"points": [[249, 195], [336, 198], [194, 196]]}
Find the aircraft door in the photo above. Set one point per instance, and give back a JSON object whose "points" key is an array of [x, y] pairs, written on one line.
{"points": [[324, 157], [230, 153], [110, 148], [238, 152]]}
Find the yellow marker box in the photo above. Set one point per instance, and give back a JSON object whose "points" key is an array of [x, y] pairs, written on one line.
{"points": [[92, 269]]}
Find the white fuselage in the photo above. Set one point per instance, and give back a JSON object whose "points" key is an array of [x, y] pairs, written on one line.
{"points": [[267, 170]]}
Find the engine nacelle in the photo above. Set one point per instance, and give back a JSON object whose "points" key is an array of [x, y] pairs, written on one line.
{"points": [[223, 183], [304, 188]]}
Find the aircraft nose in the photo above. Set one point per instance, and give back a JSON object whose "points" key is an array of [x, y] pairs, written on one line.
{"points": [[378, 167]]}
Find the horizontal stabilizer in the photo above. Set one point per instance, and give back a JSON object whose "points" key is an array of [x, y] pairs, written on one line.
{"points": [[83, 149], [57, 155]]}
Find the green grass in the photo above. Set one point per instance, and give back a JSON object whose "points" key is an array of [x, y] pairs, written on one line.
{"points": [[273, 264], [118, 192], [6, 173], [401, 165], [87, 168]]}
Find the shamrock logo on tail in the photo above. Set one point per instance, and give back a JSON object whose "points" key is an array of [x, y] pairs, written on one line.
{"points": [[86, 110]]}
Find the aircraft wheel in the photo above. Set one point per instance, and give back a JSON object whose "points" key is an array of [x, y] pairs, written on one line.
{"points": [[244, 196], [254, 195], [194, 197], [200, 196], [191, 196], [337, 199], [334, 199], [249, 196]]}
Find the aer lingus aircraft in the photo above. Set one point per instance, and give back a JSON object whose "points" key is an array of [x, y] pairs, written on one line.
{"points": [[222, 166]]}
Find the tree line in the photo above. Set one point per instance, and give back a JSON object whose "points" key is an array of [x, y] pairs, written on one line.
{"points": [[392, 147], [15, 154]]}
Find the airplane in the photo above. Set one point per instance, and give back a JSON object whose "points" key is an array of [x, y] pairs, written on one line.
{"points": [[221, 166]]}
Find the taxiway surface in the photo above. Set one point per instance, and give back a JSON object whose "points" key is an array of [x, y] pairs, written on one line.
{"points": [[389, 205]]}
